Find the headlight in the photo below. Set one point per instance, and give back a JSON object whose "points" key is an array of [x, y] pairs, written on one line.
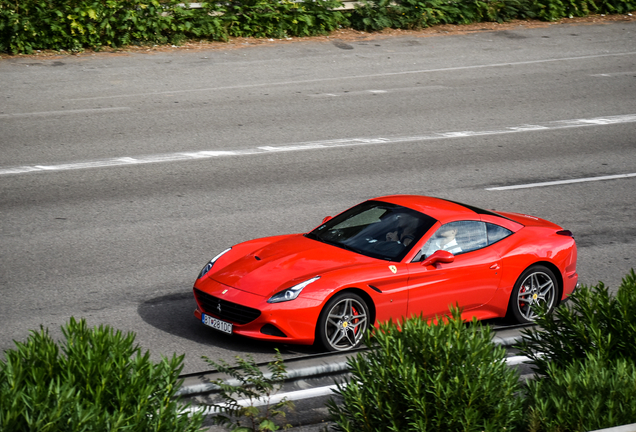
{"points": [[291, 293], [209, 265]]}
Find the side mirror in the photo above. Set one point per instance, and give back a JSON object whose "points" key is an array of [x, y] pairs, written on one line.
{"points": [[440, 256], [326, 219]]}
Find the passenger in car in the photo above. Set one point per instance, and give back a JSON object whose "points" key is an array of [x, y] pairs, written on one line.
{"points": [[444, 239]]}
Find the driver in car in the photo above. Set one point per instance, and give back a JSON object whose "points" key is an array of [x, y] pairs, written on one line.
{"points": [[405, 229]]}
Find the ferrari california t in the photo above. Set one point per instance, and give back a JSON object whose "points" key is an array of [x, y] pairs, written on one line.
{"points": [[386, 259]]}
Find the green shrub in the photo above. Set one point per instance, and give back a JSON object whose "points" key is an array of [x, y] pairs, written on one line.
{"points": [[281, 19], [429, 377], [27, 25], [374, 15], [98, 380], [594, 323], [588, 394], [77, 24], [552, 10]]}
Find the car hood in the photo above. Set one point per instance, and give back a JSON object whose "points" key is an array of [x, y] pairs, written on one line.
{"points": [[285, 263]]}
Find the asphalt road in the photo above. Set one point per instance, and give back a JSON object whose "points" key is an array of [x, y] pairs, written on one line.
{"points": [[121, 175]]}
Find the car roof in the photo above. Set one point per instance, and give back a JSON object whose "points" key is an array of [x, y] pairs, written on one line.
{"points": [[438, 208]]}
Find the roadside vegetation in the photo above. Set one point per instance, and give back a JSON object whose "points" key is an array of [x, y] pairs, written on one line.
{"points": [[261, 413], [75, 25], [96, 380], [427, 376], [585, 358], [423, 376], [415, 376]]}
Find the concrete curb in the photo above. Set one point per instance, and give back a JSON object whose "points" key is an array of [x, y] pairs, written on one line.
{"points": [[297, 369]]}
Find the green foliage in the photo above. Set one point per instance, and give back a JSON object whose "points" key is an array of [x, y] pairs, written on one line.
{"points": [[375, 15], [97, 381], [27, 25], [429, 377], [281, 19], [585, 358], [593, 324], [256, 387], [552, 10], [589, 394]]}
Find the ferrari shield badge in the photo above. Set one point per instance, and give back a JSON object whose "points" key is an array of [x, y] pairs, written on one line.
{"points": [[393, 269]]}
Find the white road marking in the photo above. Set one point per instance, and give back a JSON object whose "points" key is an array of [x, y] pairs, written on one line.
{"points": [[373, 92], [357, 77], [562, 182], [327, 144], [615, 74], [64, 112]]}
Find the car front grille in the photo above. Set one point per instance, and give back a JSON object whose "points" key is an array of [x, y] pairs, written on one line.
{"points": [[226, 310]]}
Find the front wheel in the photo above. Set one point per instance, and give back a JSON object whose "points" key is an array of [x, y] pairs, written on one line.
{"points": [[343, 322], [536, 285]]}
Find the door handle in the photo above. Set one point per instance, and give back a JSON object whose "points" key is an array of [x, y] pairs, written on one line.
{"points": [[495, 266]]}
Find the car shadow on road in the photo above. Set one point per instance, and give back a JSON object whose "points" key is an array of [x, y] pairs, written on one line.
{"points": [[173, 314]]}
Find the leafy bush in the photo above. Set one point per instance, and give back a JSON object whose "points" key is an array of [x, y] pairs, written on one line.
{"points": [[27, 25], [429, 377], [584, 354], [375, 15], [552, 10], [255, 387], [589, 394], [281, 19], [593, 324], [76, 24], [98, 380]]}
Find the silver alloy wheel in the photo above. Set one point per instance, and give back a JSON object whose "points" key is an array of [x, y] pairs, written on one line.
{"points": [[537, 288], [346, 324]]}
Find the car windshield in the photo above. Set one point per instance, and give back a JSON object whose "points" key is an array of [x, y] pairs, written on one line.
{"points": [[375, 229]]}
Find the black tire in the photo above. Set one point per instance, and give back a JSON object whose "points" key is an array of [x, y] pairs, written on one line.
{"points": [[343, 322], [537, 284]]}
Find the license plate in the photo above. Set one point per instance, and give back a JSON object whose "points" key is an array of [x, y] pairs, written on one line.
{"points": [[216, 324]]}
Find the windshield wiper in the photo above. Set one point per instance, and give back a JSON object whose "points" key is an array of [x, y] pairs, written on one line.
{"points": [[336, 244]]}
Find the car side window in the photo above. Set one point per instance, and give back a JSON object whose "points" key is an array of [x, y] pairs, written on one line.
{"points": [[457, 237], [496, 233]]}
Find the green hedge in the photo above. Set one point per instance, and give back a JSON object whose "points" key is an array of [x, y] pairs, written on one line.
{"points": [[593, 323], [587, 394], [448, 375], [429, 377], [27, 25], [97, 381], [585, 358]]}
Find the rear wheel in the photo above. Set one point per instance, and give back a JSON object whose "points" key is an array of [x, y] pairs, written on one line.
{"points": [[536, 285], [343, 322]]}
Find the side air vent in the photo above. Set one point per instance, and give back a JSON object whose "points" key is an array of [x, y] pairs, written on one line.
{"points": [[272, 330]]}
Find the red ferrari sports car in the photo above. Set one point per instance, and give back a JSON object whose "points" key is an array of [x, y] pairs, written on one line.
{"points": [[385, 259]]}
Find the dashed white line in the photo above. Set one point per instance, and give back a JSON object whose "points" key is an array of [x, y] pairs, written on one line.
{"points": [[357, 77], [64, 112], [562, 182], [327, 144]]}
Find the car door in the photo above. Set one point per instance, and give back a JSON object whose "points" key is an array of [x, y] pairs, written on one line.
{"points": [[469, 281]]}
